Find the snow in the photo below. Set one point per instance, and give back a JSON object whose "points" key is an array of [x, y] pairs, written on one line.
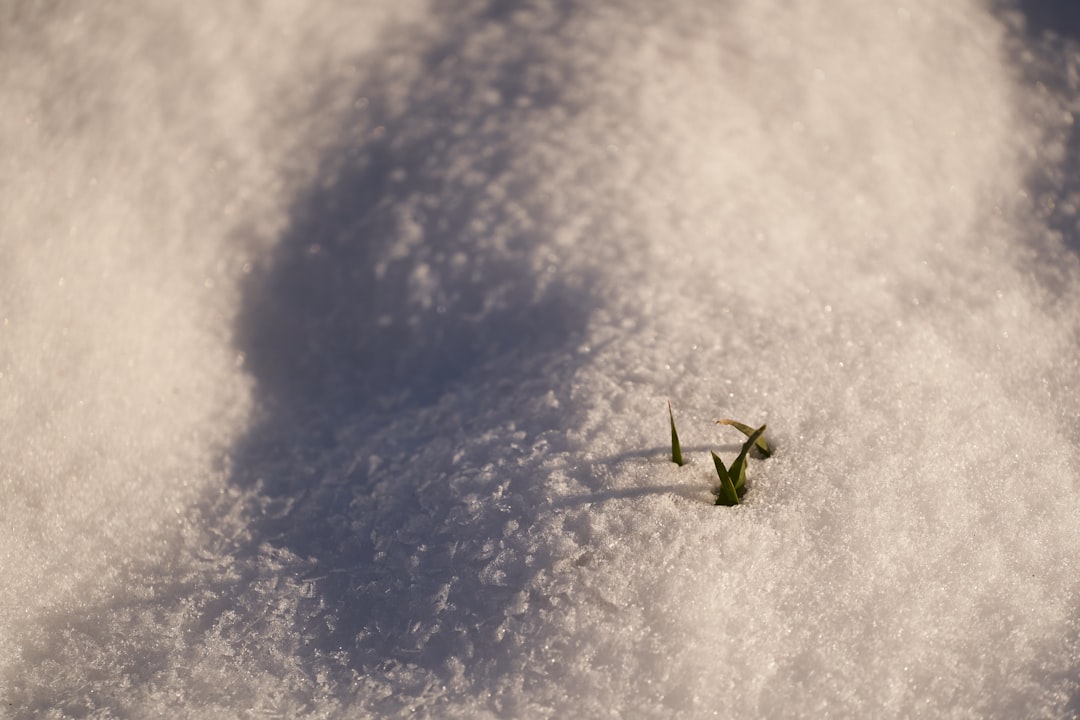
{"points": [[336, 344]]}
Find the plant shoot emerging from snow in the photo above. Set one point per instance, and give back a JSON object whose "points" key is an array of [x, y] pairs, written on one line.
{"points": [[732, 480], [676, 449]]}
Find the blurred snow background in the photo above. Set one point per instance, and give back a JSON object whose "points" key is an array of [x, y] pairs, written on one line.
{"points": [[335, 343]]}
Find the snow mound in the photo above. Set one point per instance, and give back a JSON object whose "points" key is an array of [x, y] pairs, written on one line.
{"points": [[337, 346]]}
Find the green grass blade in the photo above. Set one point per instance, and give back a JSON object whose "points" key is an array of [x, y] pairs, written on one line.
{"points": [[738, 468], [676, 449], [762, 445], [725, 494], [738, 475]]}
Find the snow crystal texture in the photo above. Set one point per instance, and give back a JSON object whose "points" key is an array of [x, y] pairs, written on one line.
{"points": [[336, 344]]}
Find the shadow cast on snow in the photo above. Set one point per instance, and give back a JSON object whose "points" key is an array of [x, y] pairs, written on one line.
{"points": [[1036, 49], [410, 291], [1050, 25], [1057, 16]]}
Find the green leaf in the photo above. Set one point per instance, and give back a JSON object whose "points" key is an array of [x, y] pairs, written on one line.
{"points": [[726, 493], [676, 449], [738, 468], [762, 445], [738, 475]]}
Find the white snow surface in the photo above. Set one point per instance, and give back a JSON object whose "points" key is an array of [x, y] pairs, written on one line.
{"points": [[336, 342]]}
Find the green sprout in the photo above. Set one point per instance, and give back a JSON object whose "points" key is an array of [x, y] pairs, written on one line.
{"points": [[726, 494], [676, 449], [733, 479]]}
